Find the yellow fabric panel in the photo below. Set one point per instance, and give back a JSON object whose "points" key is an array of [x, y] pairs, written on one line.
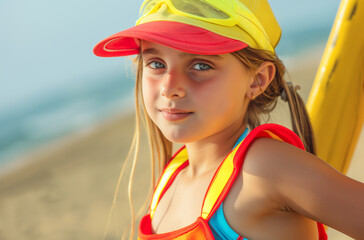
{"points": [[180, 158], [221, 179], [219, 183]]}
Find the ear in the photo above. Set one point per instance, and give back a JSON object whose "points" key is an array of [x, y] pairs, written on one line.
{"points": [[263, 77]]}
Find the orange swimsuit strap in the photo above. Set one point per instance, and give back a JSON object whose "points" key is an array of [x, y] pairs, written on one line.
{"points": [[218, 188]]}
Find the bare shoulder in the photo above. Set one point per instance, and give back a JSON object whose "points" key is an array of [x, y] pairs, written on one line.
{"points": [[257, 198], [272, 158], [307, 185]]}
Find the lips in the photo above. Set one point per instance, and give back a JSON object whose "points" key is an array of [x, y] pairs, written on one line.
{"points": [[173, 114]]}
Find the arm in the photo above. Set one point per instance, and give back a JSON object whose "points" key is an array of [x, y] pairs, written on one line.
{"points": [[309, 186]]}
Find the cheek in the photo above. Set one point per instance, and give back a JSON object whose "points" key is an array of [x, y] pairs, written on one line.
{"points": [[225, 98], [228, 89], [149, 93]]}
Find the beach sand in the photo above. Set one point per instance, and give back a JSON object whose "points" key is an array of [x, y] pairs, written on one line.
{"points": [[65, 190]]}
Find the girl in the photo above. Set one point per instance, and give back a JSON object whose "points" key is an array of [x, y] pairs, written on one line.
{"points": [[207, 72]]}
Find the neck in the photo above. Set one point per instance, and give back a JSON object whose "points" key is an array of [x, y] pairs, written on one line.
{"points": [[205, 156]]}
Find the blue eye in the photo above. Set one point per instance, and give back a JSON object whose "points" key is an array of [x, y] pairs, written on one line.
{"points": [[201, 67], [156, 65]]}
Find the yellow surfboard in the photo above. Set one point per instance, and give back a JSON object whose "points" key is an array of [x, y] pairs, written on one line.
{"points": [[336, 101]]}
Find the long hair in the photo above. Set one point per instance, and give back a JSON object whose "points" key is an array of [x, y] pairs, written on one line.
{"points": [[266, 102], [161, 148]]}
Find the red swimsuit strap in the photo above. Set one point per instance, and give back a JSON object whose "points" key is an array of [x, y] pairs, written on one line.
{"points": [[227, 171], [231, 166]]}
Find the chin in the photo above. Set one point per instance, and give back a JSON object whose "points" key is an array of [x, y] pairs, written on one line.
{"points": [[176, 138], [181, 137]]}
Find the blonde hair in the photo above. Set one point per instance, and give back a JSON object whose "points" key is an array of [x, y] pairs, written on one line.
{"points": [[266, 102], [161, 148]]}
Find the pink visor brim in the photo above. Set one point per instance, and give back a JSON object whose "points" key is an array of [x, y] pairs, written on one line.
{"points": [[180, 36]]}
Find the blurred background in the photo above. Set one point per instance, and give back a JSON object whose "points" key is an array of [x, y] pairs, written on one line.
{"points": [[66, 115]]}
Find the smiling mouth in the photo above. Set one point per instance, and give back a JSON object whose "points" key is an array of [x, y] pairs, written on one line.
{"points": [[172, 114]]}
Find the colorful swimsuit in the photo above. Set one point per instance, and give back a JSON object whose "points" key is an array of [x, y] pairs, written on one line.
{"points": [[204, 227]]}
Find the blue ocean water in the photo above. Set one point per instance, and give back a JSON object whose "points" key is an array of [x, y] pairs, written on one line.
{"points": [[52, 85], [48, 118]]}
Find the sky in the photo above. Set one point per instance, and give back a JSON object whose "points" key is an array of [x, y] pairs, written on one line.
{"points": [[46, 45]]}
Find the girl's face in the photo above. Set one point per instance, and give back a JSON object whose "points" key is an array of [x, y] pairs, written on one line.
{"points": [[192, 97]]}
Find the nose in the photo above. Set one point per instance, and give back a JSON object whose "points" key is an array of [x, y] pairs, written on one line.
{"points": [[173, 86]]}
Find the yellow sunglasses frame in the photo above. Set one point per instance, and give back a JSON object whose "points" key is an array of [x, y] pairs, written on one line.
{"points": [[233, 11], [239, 15]]}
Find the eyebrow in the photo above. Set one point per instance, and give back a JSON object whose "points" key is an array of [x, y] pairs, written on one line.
{"points": [[150, 51], [182, 54]]}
